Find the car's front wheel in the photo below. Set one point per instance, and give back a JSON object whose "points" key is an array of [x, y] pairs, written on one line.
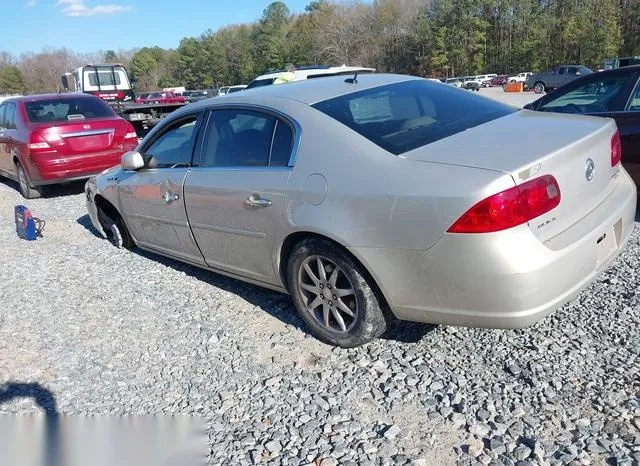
{"points": [[333, 294], [27, 190], [538, 88]]}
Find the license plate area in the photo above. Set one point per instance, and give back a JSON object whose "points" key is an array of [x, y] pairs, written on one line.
{"points": [[608, 241]]}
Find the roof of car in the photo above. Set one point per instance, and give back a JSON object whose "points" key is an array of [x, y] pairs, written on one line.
{"points": [[312, 70], [309, 91], [62, 95]]}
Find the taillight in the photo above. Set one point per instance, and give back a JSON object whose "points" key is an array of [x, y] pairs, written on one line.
{"points": [[38, 144], [511, 207], [616, 149]]}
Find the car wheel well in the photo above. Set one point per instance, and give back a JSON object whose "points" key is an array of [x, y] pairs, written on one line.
{"points": [[106, 207], [293, 239]]}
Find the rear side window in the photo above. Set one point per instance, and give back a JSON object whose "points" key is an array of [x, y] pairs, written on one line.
{"points": [[63, 109], [403, 116]]}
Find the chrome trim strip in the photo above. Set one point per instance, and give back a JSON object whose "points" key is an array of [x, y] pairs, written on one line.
{"points": [[93, 132], [235, 231]]}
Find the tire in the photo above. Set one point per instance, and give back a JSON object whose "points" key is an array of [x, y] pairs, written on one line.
{"points": [[342, 272], [115, 229], [538, 87], [27, 190]]}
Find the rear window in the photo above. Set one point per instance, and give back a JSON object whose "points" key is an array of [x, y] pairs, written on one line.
{"points": [[260, 83], [63, 109], [103, 78], [403, 116]]}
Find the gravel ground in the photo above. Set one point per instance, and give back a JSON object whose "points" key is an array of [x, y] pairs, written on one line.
{"points": [[517, 99], [108, 331]]}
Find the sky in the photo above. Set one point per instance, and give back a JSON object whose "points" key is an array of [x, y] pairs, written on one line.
{"points": [[92, 25]]}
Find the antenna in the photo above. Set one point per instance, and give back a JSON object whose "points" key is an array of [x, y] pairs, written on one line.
{"points": [[353, 80]]}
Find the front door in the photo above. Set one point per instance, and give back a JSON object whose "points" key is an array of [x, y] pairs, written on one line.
{"points": [[152, 198], [236, 198]]}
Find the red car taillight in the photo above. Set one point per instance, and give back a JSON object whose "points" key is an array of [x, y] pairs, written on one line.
{"points": [[616, 149], [131, 135], [38, 144], [511, 207]]}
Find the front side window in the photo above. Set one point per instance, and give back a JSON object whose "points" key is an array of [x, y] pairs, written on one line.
{"points": [[3, 109], [593, 96], [403, 116], [561, 71], [67, 108], [245, 138], [174, 147]]}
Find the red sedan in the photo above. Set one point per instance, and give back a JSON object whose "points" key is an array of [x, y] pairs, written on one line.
{"points": [[54, 138]]}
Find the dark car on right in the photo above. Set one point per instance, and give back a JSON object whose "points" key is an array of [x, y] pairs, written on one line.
{"points": [[612, 93]]}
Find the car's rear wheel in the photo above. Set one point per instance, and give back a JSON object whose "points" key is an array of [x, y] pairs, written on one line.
{"points": [[27, 190], [538, 88], [333, 294]]}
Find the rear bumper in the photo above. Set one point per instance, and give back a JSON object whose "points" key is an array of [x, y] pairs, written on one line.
{"points": [[58, 169], [507, 279]]}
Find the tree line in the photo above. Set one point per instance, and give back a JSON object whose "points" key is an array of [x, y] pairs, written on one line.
{"points": [[437, 38]]}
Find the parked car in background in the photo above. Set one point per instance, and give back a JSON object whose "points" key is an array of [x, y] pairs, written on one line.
{"points": [[194, 96], [54, 138], [485, 79], [236, 88], [557, 77], [620, 62], [471, 83], [455, 82], [612, 93], [499, 80], [4, 97], [476, 196], [162, 97], [306, 72], [519, 78]]}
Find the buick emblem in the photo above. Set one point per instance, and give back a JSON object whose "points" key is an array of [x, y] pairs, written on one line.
{"points": [[589, 169]]}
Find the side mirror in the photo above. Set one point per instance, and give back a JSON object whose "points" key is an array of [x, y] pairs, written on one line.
{"points": [[132, 160]]}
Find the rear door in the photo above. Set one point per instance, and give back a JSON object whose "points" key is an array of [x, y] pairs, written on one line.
{"points": [[152, 198], [9, 137], [236, 198], [5, 153]]}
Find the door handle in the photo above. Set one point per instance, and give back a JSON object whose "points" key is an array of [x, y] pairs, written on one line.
{"points": [[170, 197], [255, 202]]}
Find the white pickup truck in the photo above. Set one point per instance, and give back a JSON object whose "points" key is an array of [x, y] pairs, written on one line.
{"points": [[519, 78]]}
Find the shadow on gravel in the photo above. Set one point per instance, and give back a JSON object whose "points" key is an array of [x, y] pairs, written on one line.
{"points": [[277, 304], [51, 191], [47, 402], [85, 221]]}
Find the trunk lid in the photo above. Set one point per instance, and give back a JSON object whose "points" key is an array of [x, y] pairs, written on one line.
{"points": [[529, 144], [82, 137]]}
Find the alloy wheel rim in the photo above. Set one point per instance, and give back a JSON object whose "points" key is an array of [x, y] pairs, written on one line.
{"points": [[328, 294], [22, 179]]}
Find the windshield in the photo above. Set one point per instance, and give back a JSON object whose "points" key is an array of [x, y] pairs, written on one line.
{"points": [[591, 97], [64, 109], [402, 116]]}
